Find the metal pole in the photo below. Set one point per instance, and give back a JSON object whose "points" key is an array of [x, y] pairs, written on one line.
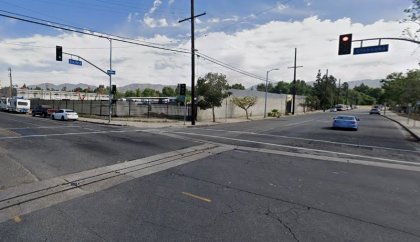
{"points": [[192, 65], [11, 83], [294, 84], [265, 102], [110, 81], [325, 91]]}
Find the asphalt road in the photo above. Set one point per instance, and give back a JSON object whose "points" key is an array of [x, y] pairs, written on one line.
{"points": [[287, 179]]}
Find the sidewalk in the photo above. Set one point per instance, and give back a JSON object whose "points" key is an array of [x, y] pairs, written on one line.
{"points": [[158, 123], [165, 123], [411, 125]]}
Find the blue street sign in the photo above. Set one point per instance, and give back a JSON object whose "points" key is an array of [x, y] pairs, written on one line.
{"points": [[370, 49], [110, 72], [75, 62]]}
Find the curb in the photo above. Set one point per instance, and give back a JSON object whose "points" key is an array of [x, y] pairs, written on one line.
{"points": [[402, 125], [93, 122]]}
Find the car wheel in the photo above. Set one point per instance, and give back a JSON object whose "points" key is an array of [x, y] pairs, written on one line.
{"points": [[45, 115], [33, 114], [62, 118]]}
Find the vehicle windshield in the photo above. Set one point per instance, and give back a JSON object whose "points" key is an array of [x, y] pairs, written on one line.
{"points": [[344, 118]]}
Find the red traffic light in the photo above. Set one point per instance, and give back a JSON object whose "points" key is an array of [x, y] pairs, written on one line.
{"points": [[344, 45]]}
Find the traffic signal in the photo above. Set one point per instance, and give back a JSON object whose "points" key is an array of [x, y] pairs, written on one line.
{"points": [[182, 89], [58, 53], [344, 46], [114, 89]]}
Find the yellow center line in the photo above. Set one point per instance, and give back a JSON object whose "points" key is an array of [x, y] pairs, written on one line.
{"points": [[17, 219], [197, 197]]}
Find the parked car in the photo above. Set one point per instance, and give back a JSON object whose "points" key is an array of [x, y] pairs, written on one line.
{"points": [[333, 110], [65, 114], [374, 111], [346, 122], [340, 107], [43, 110]]}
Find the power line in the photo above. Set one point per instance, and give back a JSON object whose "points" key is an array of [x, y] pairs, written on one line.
{"points": [[90, 32], [79, 30]]}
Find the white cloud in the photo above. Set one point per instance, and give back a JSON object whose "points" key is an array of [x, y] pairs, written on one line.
{"points": [[214, 20], [150, 22], [156, 5], [232, 19], [129, 17], [281, 6], [163, 22], [255, 50], [153, 23]]}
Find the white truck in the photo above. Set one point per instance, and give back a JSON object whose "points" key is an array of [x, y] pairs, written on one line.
{"points": [[19, 105]]}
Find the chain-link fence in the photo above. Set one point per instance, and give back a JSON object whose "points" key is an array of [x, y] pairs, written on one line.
{"points": [[120, 108]]}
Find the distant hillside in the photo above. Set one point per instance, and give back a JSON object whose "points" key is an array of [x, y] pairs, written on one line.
{"points": [[134, 86], [368, 82], [371, 83], [59, 87], [70, 86]]}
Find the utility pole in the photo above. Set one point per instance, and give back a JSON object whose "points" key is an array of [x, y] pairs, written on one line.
{"points": [[110, 82], [294, 83], [192, 18], [339, 87], [325, 90], [11, 83]]}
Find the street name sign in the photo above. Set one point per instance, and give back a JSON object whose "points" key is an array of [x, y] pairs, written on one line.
{"points": [[75, 62], [370, 49], [110, 72]]}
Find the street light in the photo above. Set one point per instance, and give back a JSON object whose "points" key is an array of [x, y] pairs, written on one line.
{"points": [[266, 86]]}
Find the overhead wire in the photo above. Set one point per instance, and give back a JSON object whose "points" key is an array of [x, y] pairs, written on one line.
{"points": [[79, 30]]}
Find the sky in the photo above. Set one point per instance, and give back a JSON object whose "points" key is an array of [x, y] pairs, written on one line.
{"points": [[254, 36]]}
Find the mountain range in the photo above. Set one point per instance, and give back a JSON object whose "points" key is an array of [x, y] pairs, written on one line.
{"points": [[68, 86]]}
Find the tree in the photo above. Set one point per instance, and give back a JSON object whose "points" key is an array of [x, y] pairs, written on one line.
{"points": [[238, 86], [346, 92], [245, 103], [261, 87], [302, 88], [148, 92], [282, 87], [129, 93], [211, 91], [77, 89], [413, 15], [168, 92], [402, 88], [325, 89], [138, 92]]}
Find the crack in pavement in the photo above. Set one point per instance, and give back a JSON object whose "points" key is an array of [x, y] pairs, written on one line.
{"points": [[272, 215], [308, 207]]}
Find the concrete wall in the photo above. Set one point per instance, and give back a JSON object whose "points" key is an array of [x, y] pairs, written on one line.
{"points": [[136, 109], [274, 101]]}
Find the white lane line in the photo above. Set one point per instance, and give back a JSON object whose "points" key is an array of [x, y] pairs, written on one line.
{"points": [[335, 159], [307, 139], [293, 124], [44, 127], [301, 148], [65, 134]]}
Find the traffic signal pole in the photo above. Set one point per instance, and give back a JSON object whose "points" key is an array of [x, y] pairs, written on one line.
{"points": [[110, 82], [59, 53]]}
